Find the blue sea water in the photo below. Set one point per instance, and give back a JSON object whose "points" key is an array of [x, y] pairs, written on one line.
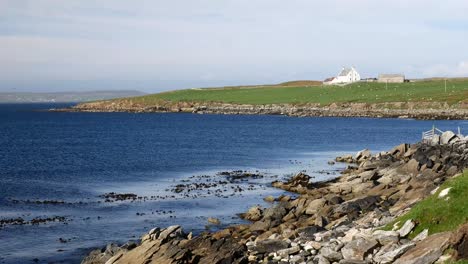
{"points": [[76, 157]]}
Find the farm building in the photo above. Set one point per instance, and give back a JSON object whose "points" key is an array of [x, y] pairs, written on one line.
{"points": [[391, 78], [347, 75]]}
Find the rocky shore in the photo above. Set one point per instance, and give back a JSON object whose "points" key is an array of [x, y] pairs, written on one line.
{"points": [[337, 221], [420, 110]]}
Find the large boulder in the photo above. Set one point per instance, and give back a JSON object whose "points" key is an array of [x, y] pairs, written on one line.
{"points": [[315, 206], [459, 242], [270, 245], [426, 251], [359, 248], [253, 214], [363, 155]]}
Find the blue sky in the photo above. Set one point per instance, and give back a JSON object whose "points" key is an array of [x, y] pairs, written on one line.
{"points": [[52, 45]]}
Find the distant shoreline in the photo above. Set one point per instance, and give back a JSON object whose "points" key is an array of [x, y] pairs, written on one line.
{"points": [[422, 111]]}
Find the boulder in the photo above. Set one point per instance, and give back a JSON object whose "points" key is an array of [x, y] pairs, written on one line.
{"points": [[254, 214], [459, 242], [170, 232], [426, 251], [269, 199], [421, 236], [270, 245], [315, 206], [390, 256], [331, 254], [309, 232], [399, 150], [359, 248], [406, 228], [386, 237], [214, 221], [363, 155]]}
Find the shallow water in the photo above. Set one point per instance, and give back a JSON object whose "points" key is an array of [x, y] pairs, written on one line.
{"points": [[76, 157]]}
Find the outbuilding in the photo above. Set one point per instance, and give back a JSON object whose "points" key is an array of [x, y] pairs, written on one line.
{"points": [[391, 78]]}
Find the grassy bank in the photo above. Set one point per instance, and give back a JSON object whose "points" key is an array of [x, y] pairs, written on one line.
{"points": [[313, 92], [440, 214]]}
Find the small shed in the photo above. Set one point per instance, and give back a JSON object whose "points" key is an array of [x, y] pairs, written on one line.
{"points": [[391, 78]]}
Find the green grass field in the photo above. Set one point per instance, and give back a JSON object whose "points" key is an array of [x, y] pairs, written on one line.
{"points": [[439, 215], [297, 93]]}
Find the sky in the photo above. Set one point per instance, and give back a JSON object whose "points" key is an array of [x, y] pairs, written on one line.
{"points": [[154, 45]]}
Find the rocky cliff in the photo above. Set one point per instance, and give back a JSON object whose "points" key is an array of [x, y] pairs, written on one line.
{"points": [[397, 109], [338, 221]]}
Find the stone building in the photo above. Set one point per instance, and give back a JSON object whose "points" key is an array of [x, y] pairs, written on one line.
{"points": [[391, 78]]}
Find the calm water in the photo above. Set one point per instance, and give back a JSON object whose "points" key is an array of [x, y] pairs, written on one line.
{"points": [[75, 157]]}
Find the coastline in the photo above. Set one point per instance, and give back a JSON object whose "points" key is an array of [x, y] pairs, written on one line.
{"points": [[339, 220], [423, 111]]}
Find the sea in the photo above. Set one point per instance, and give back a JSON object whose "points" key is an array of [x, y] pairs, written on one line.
{"points": [[79, 181]]}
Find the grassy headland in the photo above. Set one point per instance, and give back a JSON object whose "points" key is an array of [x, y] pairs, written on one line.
{"points": [[313, 92], [440, 214]]}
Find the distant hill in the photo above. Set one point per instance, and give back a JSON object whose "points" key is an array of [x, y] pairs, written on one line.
{"points": [[30, 97]]}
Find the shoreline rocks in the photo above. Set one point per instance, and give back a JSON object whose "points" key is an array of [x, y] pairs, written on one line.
{"points": [[421, 110], [337, 221]]}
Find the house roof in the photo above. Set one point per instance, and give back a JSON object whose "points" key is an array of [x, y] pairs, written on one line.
{"points": [[329, 79], [345, 72]]}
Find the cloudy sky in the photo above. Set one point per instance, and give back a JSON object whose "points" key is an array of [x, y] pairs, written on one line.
{"points": [[154, 45]]}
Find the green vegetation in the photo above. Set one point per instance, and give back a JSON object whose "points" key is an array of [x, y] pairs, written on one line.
{"points": [[439, 214], [311, 92]]}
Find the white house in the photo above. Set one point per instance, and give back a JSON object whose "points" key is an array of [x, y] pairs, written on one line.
{"points": [[347, 75]]}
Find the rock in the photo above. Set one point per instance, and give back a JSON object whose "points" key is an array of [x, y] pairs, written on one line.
{"points": [[320, 221], [254, 214], [288, 251], [315, 206], [406, 228], [412, 166], [319, 259], [359, 248], [309, 232], [269, 245], [399, 150], [444, 192], [363, 155], [170, 232], [390, 256], [459, 242], [356, 205], [331, 162], [386, 237], [331, 254], [214, 221], [262, 226], [446, 137], [426, 251], [421, 236], [269, 199]]}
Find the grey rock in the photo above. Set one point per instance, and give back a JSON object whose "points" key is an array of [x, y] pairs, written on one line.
{"points": [[359, 248], [386, 237], [406, 228], [270, 245], [331, 254], [421, 236], [390, 256]]}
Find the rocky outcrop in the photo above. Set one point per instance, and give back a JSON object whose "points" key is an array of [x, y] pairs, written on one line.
{"points": [[336, 221], [421, 110]]}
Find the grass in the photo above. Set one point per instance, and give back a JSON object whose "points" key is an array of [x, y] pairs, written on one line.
{"points": [[439, 215], [311, 92]]}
